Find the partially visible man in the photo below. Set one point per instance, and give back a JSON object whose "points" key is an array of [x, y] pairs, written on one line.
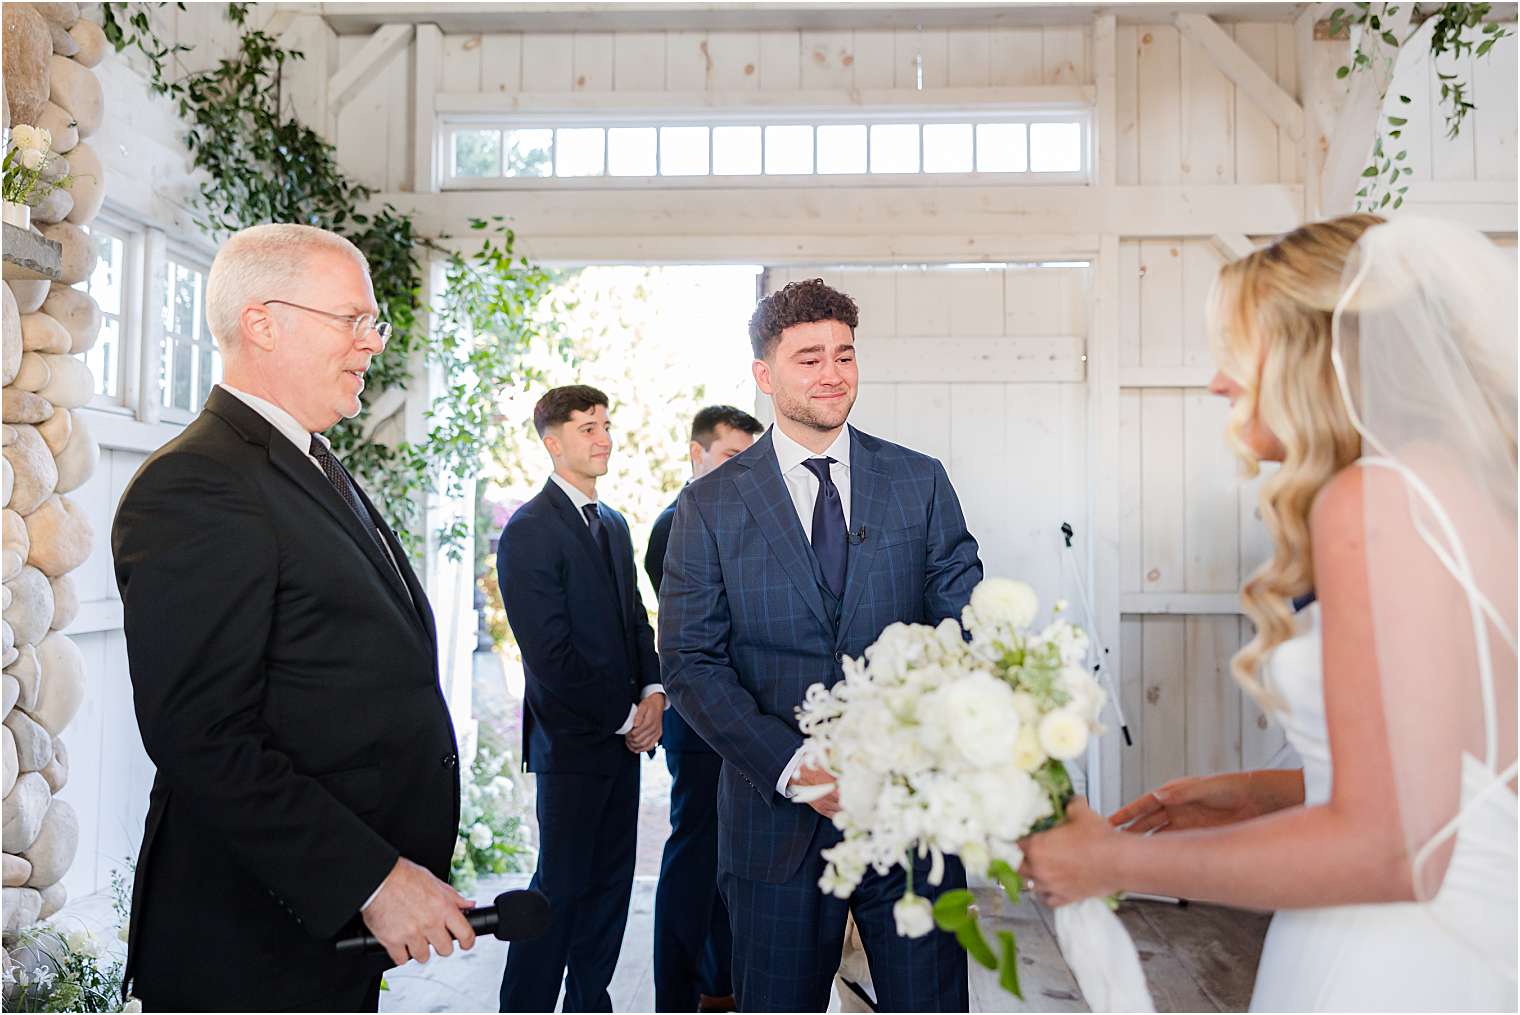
{"points": [[284, 668], [593, 703], [692, 943]]}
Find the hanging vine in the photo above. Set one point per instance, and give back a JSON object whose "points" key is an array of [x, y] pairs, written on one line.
{"points": [[259, 163], [1459, 30]]}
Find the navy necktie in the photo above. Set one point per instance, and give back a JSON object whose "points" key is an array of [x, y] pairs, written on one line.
{"points": [[828, 526], [599, 534]]}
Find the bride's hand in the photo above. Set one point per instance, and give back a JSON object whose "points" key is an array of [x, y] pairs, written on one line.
{"points": [[1072, 861], [1210, 801]]}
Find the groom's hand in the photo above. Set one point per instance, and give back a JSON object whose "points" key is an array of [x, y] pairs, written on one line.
{"points": [[827, 805], [414, 910]]}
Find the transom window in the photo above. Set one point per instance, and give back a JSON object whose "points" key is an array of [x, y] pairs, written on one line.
{"points": [[1045, 148]]}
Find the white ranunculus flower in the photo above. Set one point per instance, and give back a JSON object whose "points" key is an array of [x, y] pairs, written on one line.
{"points": [[1087, 695], [1063, 734], [132, 1005], [458, 850], [82, 942], [979, 712], [481, 837], [1027, 753], [28, 138], [914, 916], [1004, 601], [31, 158]]}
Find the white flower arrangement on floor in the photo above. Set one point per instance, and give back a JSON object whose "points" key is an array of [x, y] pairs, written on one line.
{"points": [[952, 740]]}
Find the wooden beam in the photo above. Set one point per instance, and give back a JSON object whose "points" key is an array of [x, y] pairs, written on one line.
{"points": [[429, 54], [366, 65], [1356, 125], [800, 248], [725, 217], [1100, 558], [1166, 377], [992, 359], [1237, 65], [1312, 149], [1044, 98], [1106, 81], [1233, 245], [1181, 603], [1486, 205]]}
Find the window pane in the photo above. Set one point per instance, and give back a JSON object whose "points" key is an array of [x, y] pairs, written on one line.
{"points": [[578, 151], [477, 152], [528, 152], [947, 148], [184, 301], [894, 148], [1055, 147], [683, 151], [177, 373], [105, 283], [842, 149], [788, 150], [630, 151], [101, 358], [736, 151], [204, 374], [1001, 148]]}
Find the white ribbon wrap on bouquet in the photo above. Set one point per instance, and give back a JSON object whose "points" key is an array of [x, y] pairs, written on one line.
{"points": [[1102, 957]]}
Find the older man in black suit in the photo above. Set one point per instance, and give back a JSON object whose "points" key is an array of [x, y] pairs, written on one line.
{"points": [[284, 668]]}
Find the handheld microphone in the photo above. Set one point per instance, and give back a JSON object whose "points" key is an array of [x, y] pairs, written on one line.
{"points": [[520, 915], [856, 538]]}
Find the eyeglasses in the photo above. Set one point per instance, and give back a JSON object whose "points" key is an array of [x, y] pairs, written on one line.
{"points": [[362, 324]]}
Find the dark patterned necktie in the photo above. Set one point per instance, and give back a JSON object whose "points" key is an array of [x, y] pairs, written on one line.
{"points": [[599, 534], [828, 526], [338, 477]]}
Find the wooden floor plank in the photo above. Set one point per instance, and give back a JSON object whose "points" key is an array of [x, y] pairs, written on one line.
{"points": [[1220, 947], [1172, 984]]}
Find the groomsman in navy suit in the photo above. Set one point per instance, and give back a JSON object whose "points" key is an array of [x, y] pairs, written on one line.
{"points": [[796, 553], [692, 943], [593, 703]]}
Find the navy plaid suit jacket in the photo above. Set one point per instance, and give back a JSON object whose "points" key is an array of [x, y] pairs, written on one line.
{"points": [[745, 629]]}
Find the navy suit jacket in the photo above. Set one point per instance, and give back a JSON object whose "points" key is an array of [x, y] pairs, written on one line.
{"points": [[586, 643], [677, 736], [745, 628]]}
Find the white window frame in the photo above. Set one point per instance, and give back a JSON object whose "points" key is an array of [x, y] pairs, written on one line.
{"points": [[129, 320], [451, 124]]}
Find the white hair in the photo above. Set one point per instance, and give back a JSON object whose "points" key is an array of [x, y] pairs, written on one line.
{"points": [[260, 263]]}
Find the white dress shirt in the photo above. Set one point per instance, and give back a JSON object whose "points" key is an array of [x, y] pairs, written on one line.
{"points": [[580, 500], [803, 486]]}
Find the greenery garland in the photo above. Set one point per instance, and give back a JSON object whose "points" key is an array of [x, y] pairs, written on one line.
{"points": [[261, 164], [1460, 29]]}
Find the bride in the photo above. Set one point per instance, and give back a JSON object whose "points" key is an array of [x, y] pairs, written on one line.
{"points": [[1376, 362]]}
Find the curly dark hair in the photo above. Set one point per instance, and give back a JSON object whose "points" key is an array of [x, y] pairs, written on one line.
{"points": [[558, 403], [797, 303]]}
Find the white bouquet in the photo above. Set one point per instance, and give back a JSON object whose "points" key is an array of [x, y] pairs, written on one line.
{"points": [[951, 741]]}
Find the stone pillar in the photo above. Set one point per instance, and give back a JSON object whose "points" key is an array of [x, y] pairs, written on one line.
{"points": [[48, 452]]}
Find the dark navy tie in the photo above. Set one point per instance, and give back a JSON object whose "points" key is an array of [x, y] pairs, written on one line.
{"points": [[599, 534], [338, 477], [828, 526]]}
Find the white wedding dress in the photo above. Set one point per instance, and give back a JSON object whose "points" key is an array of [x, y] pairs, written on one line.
{"points": [[1456, 952]]}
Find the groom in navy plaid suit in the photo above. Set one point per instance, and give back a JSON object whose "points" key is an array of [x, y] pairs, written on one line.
{"points": [[798, 552]]}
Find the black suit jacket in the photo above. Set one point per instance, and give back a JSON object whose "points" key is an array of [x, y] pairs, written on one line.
{"points": [[586, 642], [677, 737], [286, 686]]}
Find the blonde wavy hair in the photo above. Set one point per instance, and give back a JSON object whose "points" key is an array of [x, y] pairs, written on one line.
{"points": [[1269, 320]]}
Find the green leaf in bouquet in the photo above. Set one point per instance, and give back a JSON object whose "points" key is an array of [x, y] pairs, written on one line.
{"points": [[1056, 783], [1008, 964], [952, 910], [970, 937], [1007, 878]]}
